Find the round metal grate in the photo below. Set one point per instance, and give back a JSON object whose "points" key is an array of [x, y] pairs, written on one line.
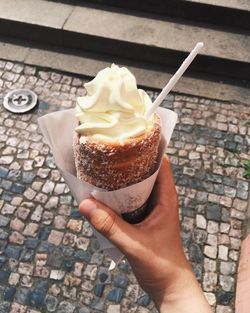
{"points": [[20, 100]]}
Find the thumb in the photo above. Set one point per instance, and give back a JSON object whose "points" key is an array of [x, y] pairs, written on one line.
{"points": [[108, 223]]}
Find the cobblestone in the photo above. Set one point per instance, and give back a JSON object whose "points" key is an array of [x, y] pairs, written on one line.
{"points": [[46, 244]]}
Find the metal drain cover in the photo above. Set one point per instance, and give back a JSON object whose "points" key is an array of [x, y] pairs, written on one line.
{"points": [[20, 100]]}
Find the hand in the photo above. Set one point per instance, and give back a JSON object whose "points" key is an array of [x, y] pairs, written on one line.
{"points": [[153, 247]]}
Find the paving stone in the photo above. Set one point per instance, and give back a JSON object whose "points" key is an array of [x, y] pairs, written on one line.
{"points": [[64, 210], [2, 260], [212, 227], [87, 230], [10, 293], [55, 237], [104, 275], [44, 232], [51, 303], [55, 257], [31, 229], [8, 209], [90, 272], [199, 236], [4, 221], [32, 311], [114, 308], [210, 251], [37, 214], [223, 252], [212, 240], [240, 205], [5, 184], [195, 253], [4, 277], [57, 274], [65, 307], [70, 280], [201, 221], [27, 255], [214, 212], [25, 269], [14, 279], [211, 299], [115, 295], [97, 258], [41, 271], [69, 239], [3, 172], [98, 289], [225, 216], [224, 297], [60, 222], [23, 213], [4, 307], [13, 251], [47, 217], [82, 310], [144, 300], [37, 295], [227, 268], [227, 283], [48, 187], [22, 295], [26, 281], [54, 290], [3, 234], [82, 243], [31, 243], [16, 224], [210, 281], [29, 194], [43, 172], [3, 244], [16, 238], [2, 291], [97, 304], [78, 267], [27, 177], [87, 285]]}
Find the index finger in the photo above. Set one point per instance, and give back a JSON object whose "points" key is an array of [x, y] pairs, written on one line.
{"points": [[164, 185]]}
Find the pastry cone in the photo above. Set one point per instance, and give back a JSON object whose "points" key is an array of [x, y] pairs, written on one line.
{"points": [[112, 165]]}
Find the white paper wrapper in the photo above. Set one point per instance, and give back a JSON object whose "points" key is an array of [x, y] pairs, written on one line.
{"points": [[58, 128]]}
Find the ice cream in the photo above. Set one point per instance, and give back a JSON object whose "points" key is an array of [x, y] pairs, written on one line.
{"points": [[114, 144]]}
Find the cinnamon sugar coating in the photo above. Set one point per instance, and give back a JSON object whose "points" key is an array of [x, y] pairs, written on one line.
{"points": [[113, 165]]}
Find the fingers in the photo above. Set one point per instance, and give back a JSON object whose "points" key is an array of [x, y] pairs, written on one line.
{"points": [[108, 223], [163, 199], [165, 179]]}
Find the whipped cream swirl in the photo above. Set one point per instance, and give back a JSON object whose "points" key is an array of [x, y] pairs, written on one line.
{"points": [[113, 108]]}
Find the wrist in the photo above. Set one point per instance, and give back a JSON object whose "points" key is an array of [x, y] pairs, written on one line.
{"points": [[183, 294]]}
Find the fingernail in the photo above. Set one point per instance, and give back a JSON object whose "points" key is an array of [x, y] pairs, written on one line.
{"points": [[87, 207]]}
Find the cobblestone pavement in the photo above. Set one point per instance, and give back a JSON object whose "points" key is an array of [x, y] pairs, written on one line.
{"points": [[49, 259]]}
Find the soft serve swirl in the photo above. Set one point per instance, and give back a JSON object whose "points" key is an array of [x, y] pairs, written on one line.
{"points": [[113, 108]]}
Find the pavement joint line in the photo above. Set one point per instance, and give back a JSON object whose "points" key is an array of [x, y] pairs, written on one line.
{"points": [[66, 19]]}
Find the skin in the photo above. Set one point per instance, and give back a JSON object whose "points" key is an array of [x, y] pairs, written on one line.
{"points": [[153, 247]]}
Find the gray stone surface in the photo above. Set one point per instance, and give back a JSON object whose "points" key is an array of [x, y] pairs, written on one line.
{"points": [[157, 33], [43, 13], [50, 258]]}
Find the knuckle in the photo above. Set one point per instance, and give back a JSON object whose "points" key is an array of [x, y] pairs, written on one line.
{"points": [[105, 225]]}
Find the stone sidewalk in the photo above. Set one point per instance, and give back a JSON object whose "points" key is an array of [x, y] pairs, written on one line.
{"points": [[49, 259]]}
